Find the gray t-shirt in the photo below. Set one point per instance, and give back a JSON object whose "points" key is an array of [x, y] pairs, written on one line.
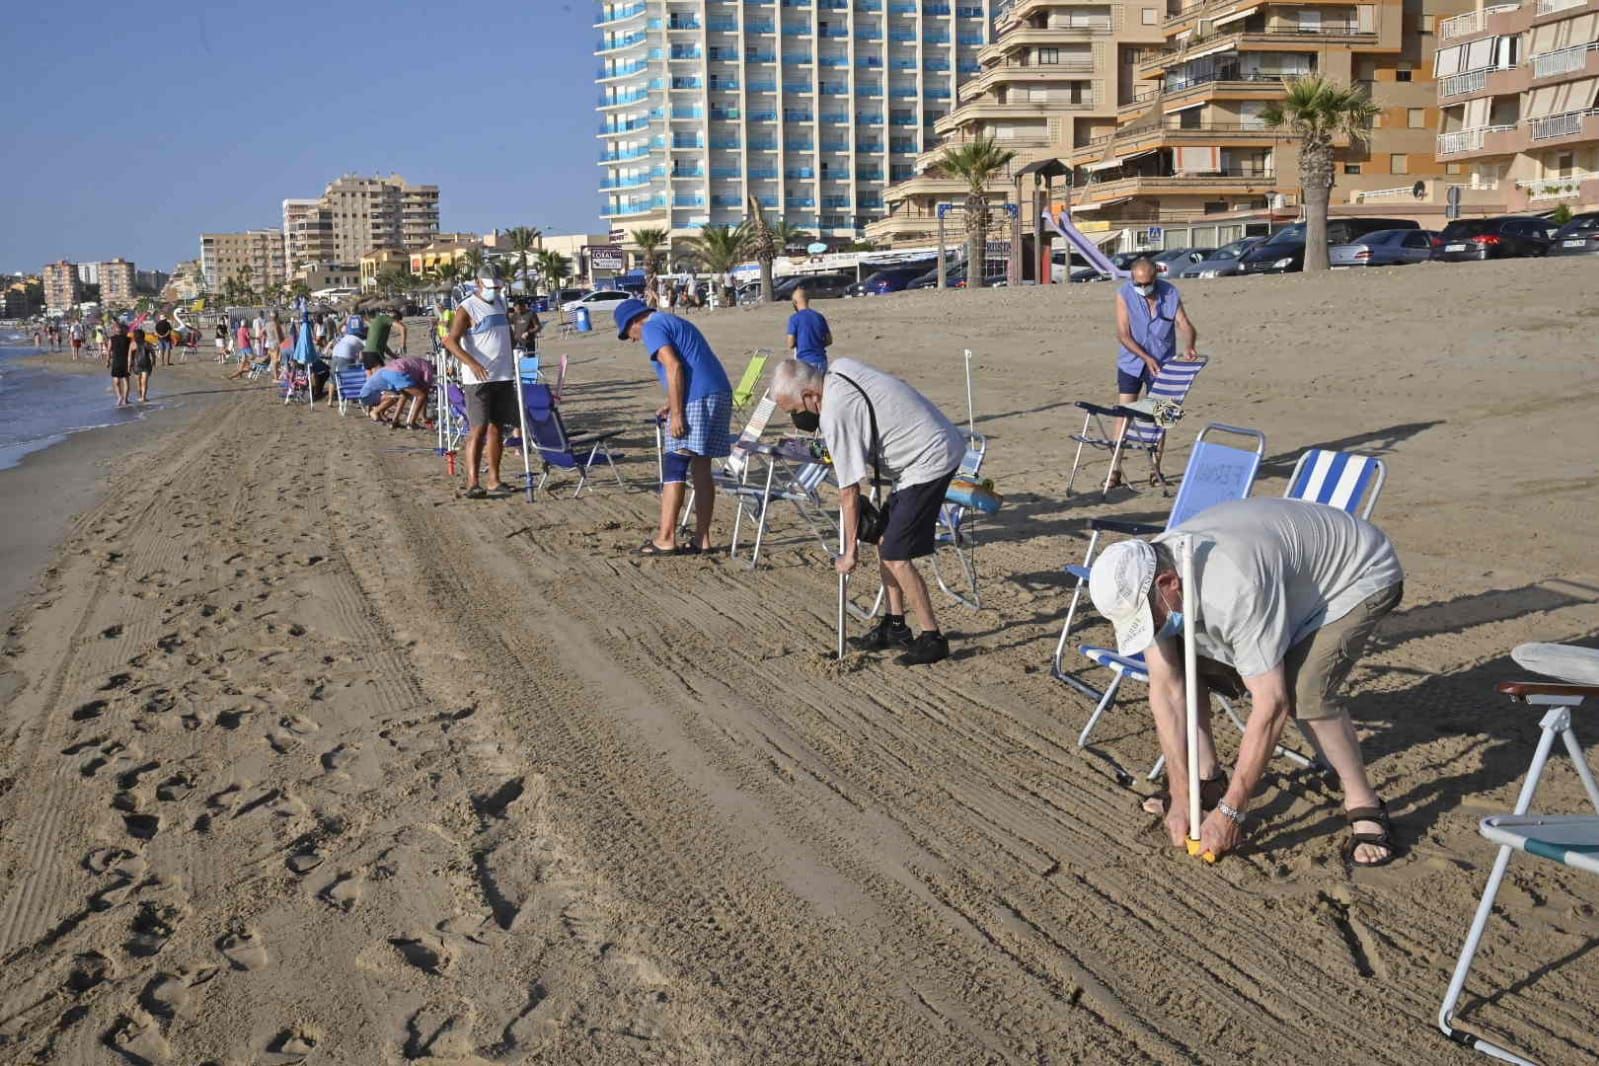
{"points": [[1272, 571], [918, 444]]}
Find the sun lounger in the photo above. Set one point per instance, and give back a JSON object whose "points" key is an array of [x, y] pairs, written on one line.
{"points": [[1567, 840], [1143, 433]]}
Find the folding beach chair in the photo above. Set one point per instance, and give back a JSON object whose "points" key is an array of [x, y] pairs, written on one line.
{"points": [[1172, 384], [744, 391], [559, 449], [1343, 480], [347, 386], [1569, 840], [792, 478], [560, 380], [728, 474], [296, 384], [957, 529]]}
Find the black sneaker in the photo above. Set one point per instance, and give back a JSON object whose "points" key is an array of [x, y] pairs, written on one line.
{"points": [[926, 648], [885, 635]]}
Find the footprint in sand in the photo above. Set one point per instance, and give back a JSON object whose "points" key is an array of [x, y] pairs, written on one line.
{"points": [[142, 826], [344, 893], [174, 788], [88, 711], [151, 928], [244, 949], [88, 969], [292, 1045], [303, 862], [171, 995], [426, 953], [298, 724], [339, 756], [137, 1038]]}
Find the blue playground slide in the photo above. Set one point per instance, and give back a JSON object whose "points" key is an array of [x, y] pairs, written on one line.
{"points": [[1058, 220]]}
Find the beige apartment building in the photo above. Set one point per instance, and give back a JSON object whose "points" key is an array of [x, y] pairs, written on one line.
{"points": [[118, 283], [62, 291], [256, 254], [1194, 147], [1518, 96], [1056, 74], [355, 215]]}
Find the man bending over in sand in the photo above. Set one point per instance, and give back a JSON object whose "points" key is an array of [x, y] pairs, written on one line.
{"points": [[1149, 317], [1289, 593]]}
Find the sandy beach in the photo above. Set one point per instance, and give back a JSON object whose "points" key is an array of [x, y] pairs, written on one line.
{"points": [[304, 758]]}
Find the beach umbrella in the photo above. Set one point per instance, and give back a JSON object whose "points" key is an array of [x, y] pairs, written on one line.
{"points": [[305, 352]]}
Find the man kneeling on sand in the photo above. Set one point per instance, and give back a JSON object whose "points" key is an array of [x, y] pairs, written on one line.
{"points": [[1289, 593], [386, 391], [872, 420]]}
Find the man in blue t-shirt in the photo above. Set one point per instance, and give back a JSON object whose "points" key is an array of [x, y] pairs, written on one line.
{"points": [[698, 413], [808, 332]]}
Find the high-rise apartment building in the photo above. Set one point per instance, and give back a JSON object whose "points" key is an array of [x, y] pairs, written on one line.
{"points": [[355, 215], [1198, 146], [118, 283], [812, 107], [1057, 74], [255, 254], [1518, 96], [89, 273], [61, 288]]}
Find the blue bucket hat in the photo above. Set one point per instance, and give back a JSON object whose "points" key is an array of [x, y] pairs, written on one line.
{"points": [[626, 312]]}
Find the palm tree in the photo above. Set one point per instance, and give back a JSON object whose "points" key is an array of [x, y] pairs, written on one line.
{"points": [[720, 248], [650, 242], [976, 163], [473, 261], [762, 245], [524, 241], [1317, 111], [789, 236], [553, 267]]}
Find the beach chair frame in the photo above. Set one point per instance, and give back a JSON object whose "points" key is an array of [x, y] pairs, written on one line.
{"points": [[957, 531], [346, 391], [1173, 383], [750, 380], [1517, 832], [559, 449]]}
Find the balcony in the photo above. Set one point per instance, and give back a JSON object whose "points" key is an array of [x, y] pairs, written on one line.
{"points": [[615, 13], [1577, 59], [1462, 84], [1471, 22], [1283, 38], [1233, 182], [1583, 124], [1490, 140], [612, 71], [1173, 133], [985, 111], [619, 42], [1072, 70], [1555, 7]]}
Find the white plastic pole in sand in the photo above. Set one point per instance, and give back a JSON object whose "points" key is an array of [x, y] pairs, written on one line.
{"points": [[1191, 688], [971, 412], [843, 588]]}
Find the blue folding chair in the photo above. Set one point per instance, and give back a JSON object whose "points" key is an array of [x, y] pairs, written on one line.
{"points": [[1143, 434], [957, 528], [559, 449], [347, 386], [1343, 480]]}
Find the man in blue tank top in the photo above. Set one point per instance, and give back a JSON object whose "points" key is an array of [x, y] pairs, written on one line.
{"points": [[1149, 319]]}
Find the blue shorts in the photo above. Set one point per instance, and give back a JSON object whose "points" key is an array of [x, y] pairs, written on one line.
{"points": [[384, 381], [1133, 384], [710, 436]]}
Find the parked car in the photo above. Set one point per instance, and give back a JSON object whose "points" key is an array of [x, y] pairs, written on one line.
{"points": [[816, 286], [1284, 251], [1173, 259], [1580, 236], [1502, 237], [603, 300], [887, 280], [1386, 247], [1223, 262]]}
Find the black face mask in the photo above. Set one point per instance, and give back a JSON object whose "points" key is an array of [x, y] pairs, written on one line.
{"points": [[806, 421]]}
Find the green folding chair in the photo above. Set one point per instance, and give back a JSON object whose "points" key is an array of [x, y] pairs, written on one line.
{"points": [[753, 372]]}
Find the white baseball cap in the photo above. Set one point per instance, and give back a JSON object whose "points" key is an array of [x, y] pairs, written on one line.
{"points": [[1119, 586]]}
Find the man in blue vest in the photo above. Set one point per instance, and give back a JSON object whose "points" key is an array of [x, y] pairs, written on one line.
{"points": [[1149, 319]]}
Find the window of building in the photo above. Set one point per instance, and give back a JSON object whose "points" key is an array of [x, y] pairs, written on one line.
{"points": [[1049, 56], [1402, 75], [1351, 168], [1417, 117], [1429, 23], [1454, 168], [1399, 163], [1149, 16]]}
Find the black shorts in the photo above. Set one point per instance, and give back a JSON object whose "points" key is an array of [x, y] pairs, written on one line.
{"points": [[119, 367], [492, 403], [910, 526], [372, 360]]}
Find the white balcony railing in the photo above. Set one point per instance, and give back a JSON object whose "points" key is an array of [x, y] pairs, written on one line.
{"points": [[1549, 7], [1468, 140], [1563, 61], [1563, 125], [1474, 21], [1398, 192], [1457, 84], [1553, 188]]}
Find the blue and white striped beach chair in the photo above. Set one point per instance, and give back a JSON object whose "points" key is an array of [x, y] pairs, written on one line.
{"points": [[347, 386], [1569, 840], [1143, 435], [1343, 480]]}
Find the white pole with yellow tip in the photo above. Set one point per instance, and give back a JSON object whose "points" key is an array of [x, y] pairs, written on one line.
{"points": [[1185, 562]]}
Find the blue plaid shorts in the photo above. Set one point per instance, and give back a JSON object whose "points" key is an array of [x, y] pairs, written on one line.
{"points": [[710, 427]]}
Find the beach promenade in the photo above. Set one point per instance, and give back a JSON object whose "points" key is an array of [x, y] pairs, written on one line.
{"points": [[304, 758]]}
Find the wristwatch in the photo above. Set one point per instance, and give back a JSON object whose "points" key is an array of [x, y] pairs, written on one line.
{"points": [[1227, 810]]}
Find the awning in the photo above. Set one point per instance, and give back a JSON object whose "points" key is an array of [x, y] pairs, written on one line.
{"points": [[1235, 16], [1104, 164], [1185, 107], [1110, 236], [1076, 208], [1227, 47]]}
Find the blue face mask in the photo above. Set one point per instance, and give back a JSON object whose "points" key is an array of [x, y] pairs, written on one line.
{"points": [[1172, 626]]}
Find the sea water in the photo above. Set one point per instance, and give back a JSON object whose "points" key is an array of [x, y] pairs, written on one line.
{"points": [[40, 407]]}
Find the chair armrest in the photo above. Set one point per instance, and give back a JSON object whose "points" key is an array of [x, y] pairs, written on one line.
{"points": [[1115, 411], [1520, 690], [1118, 525]]}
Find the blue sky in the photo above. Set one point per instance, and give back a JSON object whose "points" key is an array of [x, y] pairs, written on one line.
{"points": [[134, 126]]}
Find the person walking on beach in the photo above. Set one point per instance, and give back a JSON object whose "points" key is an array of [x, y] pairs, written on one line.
{"points": [[272, 342], [75, 332], [525, 329], [1150, 318], [1289, 593], [698, 413], [163, 336], [872, 420], [377, 351], [480, 338], [143, 361], [245, 349], [222, 340], [809, 335], [117, 357]]}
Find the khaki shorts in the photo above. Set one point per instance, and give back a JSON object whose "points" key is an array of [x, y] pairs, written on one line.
{"points": [[1318, 665]]}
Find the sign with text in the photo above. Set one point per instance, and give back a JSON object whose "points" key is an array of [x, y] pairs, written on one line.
{"points": [[606, 257]]}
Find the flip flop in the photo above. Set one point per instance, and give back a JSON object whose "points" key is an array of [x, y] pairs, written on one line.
{"points": [[476, 492], [501, 491], [650, 548]]}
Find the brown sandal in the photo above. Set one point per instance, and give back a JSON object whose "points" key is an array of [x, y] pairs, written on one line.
{"points": [[1383, 838]]}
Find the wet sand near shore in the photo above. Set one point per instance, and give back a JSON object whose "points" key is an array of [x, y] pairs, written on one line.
{"points": [[305, 758]]}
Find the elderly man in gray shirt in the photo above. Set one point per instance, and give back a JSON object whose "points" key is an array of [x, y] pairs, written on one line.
{"points": [[1289, 593], [863, 412]]}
